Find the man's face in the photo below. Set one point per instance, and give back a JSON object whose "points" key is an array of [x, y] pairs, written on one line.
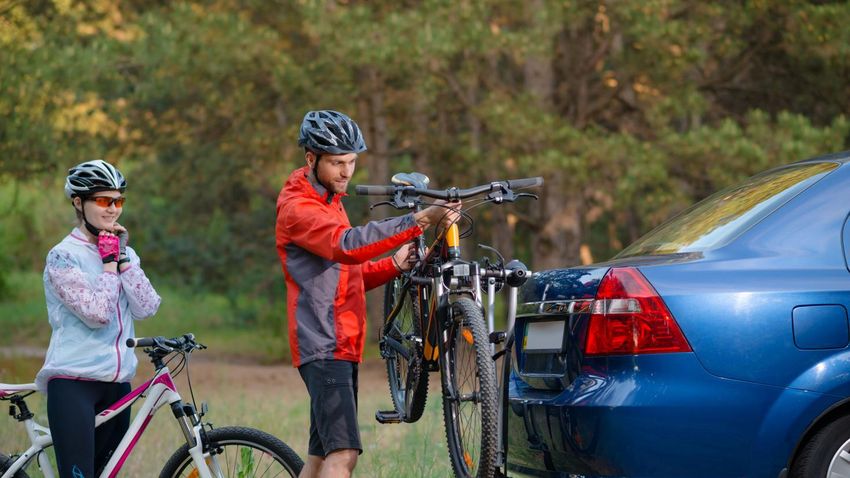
{"points": [[335, 170]]}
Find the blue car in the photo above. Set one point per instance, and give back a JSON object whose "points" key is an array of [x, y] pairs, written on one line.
{"points": [[715, 346]]}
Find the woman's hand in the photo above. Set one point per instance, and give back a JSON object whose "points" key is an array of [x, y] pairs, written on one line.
{"points": [[123, 237], [108, 246]]}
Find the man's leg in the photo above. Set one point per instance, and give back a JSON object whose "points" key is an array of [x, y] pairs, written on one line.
{"points": [[315, 452], [339, 464], [312, 467], [334, 432]]}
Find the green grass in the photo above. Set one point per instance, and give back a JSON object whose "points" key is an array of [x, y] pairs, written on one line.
{"points": [[23, 314], [282, 409], [212, 318], [415, 450]]}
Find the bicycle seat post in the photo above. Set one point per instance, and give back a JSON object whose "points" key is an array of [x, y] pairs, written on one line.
{"points": [[24, 411]]}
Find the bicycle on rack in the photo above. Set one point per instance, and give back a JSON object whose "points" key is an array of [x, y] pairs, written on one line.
{"points": [[434, 322], [208, 452]]}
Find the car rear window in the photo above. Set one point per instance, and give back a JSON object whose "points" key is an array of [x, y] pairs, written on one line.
{"points": [[721, 217]]}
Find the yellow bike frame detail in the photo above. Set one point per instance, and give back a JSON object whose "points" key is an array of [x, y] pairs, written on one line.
{"points": [[453, 236]]}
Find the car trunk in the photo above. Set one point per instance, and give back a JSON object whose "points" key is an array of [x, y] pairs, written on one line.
{"points": [[553, 317]]}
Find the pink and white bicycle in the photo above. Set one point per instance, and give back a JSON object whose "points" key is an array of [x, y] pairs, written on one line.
{"points": [[208, 453]]}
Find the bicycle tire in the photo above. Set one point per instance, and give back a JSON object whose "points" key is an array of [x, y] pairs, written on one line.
{"points": [[264, 452], [405, 375], [6, 463], [469, 394]]}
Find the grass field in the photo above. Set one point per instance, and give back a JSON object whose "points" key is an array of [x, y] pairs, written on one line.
{"points": [[242, 376], [23, 318], [271, 398]]}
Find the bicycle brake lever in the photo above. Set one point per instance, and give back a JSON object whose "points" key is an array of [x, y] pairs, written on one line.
{"points": [[159, 343], [529, 195], [382, 203]]}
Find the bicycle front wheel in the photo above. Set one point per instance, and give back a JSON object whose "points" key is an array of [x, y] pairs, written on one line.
{"points": [[402, 349], [469, 393], [238, 452]]}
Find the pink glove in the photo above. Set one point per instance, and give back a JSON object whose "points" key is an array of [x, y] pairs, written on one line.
{"points": [[108, 247]]}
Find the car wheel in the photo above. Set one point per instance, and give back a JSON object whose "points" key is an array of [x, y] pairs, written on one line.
{"points": [[826, 454]]}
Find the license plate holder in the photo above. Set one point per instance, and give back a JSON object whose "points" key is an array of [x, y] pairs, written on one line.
{"points": [[545, 336]]}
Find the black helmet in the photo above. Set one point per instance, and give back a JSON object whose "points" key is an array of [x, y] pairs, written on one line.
{"points": [[330, 132], [90, 177]]}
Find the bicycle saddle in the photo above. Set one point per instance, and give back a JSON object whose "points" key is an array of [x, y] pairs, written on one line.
{"points": [[10, 389], [417, 180]]}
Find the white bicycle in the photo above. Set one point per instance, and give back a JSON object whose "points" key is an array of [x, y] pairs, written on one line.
{"points": [[208, 453]]}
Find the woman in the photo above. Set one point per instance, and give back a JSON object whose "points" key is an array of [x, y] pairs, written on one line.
{"points": [[94, 288]]}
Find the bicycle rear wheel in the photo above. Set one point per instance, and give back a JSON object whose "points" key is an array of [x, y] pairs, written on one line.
{"points": [[469, 394], [238, 452], [402, 350]]}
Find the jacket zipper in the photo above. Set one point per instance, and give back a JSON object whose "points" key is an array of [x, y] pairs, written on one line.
{"points": [[120, 332]]}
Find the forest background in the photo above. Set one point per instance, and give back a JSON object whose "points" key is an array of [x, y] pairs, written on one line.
{"points": [[631, 110]]}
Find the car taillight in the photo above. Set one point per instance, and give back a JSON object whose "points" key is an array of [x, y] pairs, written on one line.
{"points": [[629, 317]]}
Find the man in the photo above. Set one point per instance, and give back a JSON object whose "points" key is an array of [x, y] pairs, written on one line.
{"points": [[328, 267]]}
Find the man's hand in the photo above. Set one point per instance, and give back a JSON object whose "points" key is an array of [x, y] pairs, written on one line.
{"points": [[442, 212], [405, 257]]}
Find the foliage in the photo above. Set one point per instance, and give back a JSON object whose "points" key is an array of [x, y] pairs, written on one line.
{"points": [[245, 330], [631, 110]]}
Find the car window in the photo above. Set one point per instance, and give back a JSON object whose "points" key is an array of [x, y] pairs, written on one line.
{"points": [[721, 217]]}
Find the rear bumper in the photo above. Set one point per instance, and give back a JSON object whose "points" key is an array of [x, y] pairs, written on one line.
{"points": [[653, 416]]}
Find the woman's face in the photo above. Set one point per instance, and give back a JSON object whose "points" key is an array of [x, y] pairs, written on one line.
{"points": [[101, 209]]}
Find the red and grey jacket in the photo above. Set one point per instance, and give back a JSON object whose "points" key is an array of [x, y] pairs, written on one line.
{"points": [[328, 268]]}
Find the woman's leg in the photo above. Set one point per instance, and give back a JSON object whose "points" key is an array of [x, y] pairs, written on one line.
{"points": [[109, 435], [70, 410]]}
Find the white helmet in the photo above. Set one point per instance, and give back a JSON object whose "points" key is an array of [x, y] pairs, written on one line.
{"points": [[93, 176]]}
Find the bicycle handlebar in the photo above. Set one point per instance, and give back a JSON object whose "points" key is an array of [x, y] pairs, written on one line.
{"points": [[367, 190], [175, 343], [452, 194], [524, 183]]}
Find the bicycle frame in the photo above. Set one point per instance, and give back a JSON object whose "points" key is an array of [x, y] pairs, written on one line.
{"points": [[447, 302], [158, 391]]}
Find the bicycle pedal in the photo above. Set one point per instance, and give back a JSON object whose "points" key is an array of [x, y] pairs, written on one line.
{"points": [[389, 416], [498, 337]]}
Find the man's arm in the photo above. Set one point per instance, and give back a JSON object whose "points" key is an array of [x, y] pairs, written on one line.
{"points": [[378, 273], [314, 230]]}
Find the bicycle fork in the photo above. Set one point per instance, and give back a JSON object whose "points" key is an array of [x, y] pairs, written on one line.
{"points": [[190, 423]]}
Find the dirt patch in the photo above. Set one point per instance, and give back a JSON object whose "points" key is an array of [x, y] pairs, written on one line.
{"points": [[282, 380], [235, 373]]}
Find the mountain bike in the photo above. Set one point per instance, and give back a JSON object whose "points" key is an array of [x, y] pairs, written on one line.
{"points": [[208, 452], [434, 322]]}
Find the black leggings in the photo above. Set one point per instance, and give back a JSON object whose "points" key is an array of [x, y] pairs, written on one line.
{"points": [[71, 409]]}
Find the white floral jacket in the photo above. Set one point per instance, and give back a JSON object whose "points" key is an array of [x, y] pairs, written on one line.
{"points": [[91, 313]]}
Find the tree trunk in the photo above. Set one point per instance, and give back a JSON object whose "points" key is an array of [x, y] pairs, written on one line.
{"points": [[557, 239], [421, 155], [374, 126]]}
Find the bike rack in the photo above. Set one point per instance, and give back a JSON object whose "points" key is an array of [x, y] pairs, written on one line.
{"points": [[505, 337]]}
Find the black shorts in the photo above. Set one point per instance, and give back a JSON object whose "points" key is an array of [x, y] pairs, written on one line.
{"points": [[332, 385]]}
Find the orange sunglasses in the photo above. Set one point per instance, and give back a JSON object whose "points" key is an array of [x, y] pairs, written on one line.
{"points": [[106, 201]]}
